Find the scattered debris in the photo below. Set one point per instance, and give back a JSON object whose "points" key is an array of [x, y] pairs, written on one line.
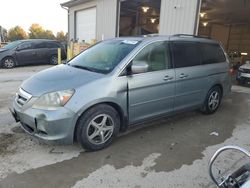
{"points": [[214, 134], [55, 152]]}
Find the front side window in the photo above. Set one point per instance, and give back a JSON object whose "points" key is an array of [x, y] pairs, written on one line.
{"points": [[12, 45], [104, 56], [186, 54], [24, 46], [156, 55]]}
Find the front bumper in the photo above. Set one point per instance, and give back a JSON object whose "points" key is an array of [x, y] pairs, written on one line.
{"points": [[52, 127], [241, 76]]}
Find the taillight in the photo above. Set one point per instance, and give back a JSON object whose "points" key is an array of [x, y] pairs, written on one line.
{"points": [[231, 71]]}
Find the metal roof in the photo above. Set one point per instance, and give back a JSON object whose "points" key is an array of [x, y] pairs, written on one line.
{"points": [[74, 3]]}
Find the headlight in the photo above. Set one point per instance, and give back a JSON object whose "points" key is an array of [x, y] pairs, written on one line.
{"points": [[241, 70], [51, 101]]}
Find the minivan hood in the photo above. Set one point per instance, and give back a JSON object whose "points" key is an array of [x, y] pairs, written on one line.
{"points": [[245, 66], [58, 78], [3, 49]]}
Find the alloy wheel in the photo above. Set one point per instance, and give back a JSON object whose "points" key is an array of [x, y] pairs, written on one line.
{"points": [[9, 63], [214, 100], [100, 129]]}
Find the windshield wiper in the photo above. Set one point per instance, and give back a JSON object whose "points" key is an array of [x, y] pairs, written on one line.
{"points": [[83, 67]]}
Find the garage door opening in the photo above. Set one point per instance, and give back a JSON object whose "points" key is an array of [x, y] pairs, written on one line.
{"points": [[139, 17], [85, 30], [228, 21]]}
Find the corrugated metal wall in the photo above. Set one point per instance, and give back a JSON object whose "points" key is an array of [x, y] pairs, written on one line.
{"points": [[106, 18], [179, 16]]}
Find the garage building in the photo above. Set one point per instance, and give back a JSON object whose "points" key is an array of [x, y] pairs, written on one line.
{"points": [[225, 20]]}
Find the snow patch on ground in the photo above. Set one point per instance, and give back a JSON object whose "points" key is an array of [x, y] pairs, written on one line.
{"points": [[189, 176]]}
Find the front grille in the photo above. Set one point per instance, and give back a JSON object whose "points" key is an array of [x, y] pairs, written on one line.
{"points": [[22, 97], [246, 70]]}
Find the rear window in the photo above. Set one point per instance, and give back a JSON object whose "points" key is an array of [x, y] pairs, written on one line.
{"points": [[211, 53], [185, 54]]}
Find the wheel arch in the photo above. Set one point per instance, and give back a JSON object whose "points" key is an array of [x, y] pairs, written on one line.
{"points": [[117, 107], [9, 56]]}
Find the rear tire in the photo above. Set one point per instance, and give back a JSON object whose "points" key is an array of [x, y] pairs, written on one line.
{"points": [[53, 60], [97, 127], [8, 63], [213, 100]]}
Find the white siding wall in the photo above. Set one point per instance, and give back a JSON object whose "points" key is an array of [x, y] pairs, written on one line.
{"points": [[178, 16], [72, 14], [106, 18]]}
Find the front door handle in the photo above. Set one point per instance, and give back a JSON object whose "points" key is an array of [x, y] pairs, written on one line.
{"points": [[168, 78], [182, 75]]}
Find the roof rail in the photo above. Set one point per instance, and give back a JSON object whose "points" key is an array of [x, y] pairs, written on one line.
{"points": [[188, 35]]}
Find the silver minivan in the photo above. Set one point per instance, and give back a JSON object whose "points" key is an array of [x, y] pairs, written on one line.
{"points": [[120, 82]]}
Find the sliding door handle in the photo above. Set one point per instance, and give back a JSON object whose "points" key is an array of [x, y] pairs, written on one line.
{"points": [[168, 78], [182, 75]]}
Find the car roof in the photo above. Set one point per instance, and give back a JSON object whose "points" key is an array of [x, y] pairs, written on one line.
{"points": [[38, 40], [177, 37]]}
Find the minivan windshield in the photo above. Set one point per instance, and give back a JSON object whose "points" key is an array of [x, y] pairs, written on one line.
{"points": [[104, 56], [12, 45]]}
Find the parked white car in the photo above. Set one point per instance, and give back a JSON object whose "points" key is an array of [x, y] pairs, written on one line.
{"points": [[243, 75]]}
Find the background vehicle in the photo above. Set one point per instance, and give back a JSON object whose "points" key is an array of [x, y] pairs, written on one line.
{"points": [[235, 59], [240, 178], [243, 75], [31, 51], [120, 82]]}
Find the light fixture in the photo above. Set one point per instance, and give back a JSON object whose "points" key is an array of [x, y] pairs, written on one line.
{"points": [[244, 53], [204, 24], [153, 20], [145, 9], [202, 14]]}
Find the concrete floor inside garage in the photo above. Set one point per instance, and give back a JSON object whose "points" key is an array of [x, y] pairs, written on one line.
{"points": [[228, 22]]}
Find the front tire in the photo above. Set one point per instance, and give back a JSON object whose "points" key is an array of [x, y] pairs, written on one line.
{"points": [[8, 63], [97, 127], [213, 100]]}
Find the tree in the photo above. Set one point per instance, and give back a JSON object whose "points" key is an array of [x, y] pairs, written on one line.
{"points": [[60, 36], [16, 33], [3, 34], [36, 31], [48, 34]]}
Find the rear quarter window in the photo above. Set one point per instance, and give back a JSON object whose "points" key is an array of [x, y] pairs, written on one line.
{"points": [[212, 53], [185, 54], [53, 45]]}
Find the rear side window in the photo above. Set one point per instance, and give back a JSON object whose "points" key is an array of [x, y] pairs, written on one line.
{"points": [[39, 45], [53, 45], [211, 53], [185, 54]]}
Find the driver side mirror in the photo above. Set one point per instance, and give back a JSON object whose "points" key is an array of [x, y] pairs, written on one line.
{"points": [[139, 67]]}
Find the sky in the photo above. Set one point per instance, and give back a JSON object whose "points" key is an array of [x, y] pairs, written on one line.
{"points": [[47, 13]]}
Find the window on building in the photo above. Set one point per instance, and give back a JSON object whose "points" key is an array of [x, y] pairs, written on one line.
{"points": [[139, 17]]}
